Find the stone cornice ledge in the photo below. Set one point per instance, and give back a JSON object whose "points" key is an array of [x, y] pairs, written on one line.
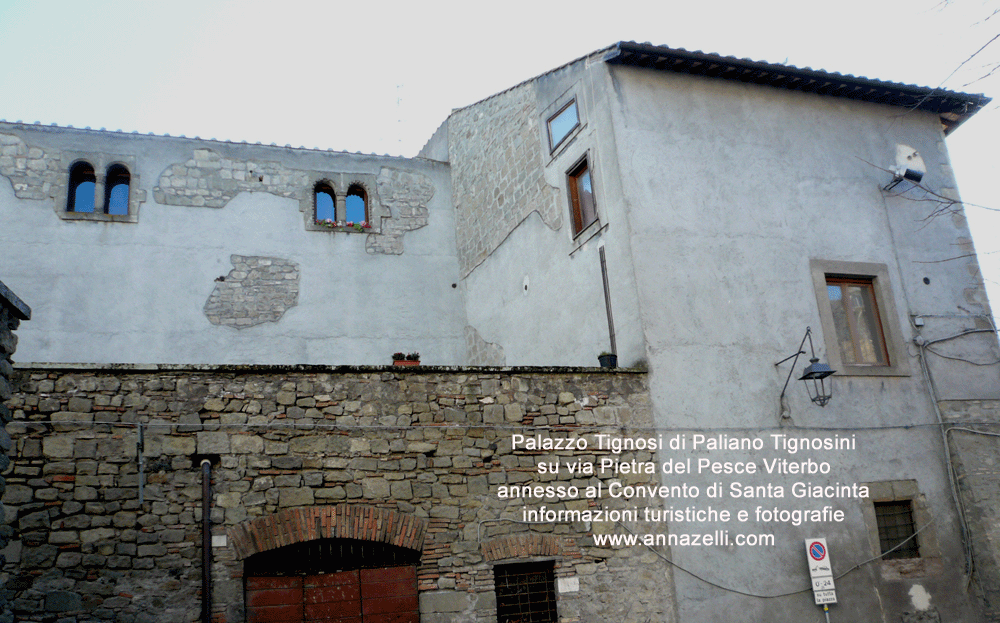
{"points": [[10, 300], [315, 368]]}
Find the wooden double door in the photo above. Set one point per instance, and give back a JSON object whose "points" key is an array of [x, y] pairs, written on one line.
{"points": [[384, 595]]}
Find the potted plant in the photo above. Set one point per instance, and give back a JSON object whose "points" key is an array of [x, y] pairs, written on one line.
{"points": [[608, 360], [402, 359]]}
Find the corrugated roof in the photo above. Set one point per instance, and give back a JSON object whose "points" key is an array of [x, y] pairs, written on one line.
{"points": [[954, 108]]}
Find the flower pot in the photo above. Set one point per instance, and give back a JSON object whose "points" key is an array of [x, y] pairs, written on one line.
{"points": [[405, 362], [608, 361]]}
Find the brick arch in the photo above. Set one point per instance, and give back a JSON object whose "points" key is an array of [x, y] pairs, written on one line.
{"points": [[343, 521], [527, 544]]}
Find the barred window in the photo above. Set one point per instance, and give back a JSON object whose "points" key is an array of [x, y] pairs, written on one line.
{"points": [[895, 525], [525, 592]]}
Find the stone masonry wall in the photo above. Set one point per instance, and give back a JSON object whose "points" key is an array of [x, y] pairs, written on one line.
{"points": [[406, 456], [497, 162], [12, 312], [974, 452], [256, 290]]}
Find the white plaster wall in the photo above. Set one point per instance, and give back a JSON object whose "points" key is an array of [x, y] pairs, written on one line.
{"points": [[561, 319], [117, 292], [731, 190]]}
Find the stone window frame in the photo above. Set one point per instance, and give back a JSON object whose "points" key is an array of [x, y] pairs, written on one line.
{"points": [[101, 162], [878, 275], [341, 183], [929, 561]]}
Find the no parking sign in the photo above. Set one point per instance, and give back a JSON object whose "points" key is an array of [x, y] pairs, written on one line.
{"points": [[820, 571]]}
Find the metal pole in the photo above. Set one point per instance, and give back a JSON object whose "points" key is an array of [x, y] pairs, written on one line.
{"points": [[140, 447], [206, 541]]}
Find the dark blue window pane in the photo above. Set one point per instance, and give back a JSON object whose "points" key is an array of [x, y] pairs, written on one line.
{"points": [[355, 208], [118, 199], [83, 200], [324, 206], [562, 124]]}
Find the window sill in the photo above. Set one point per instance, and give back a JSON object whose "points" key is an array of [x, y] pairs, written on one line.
{"points": [[910, 568], [589, 232], [854, 370], [99, 217], [344, 230]]}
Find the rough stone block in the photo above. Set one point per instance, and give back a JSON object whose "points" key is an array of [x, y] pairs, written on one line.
{"points": [[443, 601], [247, 444], [58, 446], [295, 497], [215, 442]]}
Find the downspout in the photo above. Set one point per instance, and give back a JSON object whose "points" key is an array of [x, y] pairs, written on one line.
{"points": [[206, 541]]}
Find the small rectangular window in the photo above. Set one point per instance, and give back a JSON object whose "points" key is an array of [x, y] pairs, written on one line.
{"points": [[856, 319], [562, 123], [895, 526], [525, 592], [581, 193]]}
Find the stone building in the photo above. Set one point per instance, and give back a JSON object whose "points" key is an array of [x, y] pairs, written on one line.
{"points": [[223, 312]]}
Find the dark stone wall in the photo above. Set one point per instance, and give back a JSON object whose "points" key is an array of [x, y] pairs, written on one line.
{"points": [[12, 312], [405, 456]]}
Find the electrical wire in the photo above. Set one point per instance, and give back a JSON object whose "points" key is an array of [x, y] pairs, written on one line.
{"points": [[804, 590]]}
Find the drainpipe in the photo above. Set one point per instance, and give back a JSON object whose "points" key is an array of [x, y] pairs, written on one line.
{"points": [[607, 300], [206, 541]]}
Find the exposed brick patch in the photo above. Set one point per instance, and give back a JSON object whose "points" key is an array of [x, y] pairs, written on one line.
{"points": [[343, 521], [523, 545], [256, 290]]}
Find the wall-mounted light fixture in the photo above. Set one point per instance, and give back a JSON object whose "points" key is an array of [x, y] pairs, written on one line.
{"points": [[820, 391], [909, 166]]}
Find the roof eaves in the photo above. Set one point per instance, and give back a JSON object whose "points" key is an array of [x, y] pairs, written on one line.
{"points": [[953, 108]]}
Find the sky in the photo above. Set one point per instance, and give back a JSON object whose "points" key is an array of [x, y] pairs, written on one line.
{"points": [[380, 76]]}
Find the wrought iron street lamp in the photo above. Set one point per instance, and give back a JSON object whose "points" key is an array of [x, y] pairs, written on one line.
{"points": [[814, 376]]}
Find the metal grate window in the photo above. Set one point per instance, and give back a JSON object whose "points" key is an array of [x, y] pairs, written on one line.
{"points": [[525, 592], [895, 525]]}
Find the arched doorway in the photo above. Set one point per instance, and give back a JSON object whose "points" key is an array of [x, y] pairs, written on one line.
{"points": [[342, 564]]}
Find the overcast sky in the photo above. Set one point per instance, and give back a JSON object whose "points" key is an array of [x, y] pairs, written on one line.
{"points": [[379, 77]]}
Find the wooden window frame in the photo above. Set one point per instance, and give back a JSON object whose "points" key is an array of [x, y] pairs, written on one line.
{"points": [[364, 185], [357, 190], [877, 275], [882, 354], [576, 203], [325, 187]]}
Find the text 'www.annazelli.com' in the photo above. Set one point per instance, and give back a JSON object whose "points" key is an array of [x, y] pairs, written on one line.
{"points": [[716, 537]]}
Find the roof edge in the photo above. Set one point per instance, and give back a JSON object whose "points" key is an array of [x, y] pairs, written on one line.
{"points": [[953, 108]]}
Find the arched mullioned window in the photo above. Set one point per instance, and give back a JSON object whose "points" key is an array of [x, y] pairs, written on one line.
{"points": [[116, 190], [324, 202], [357, 204], [82, 182]]}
